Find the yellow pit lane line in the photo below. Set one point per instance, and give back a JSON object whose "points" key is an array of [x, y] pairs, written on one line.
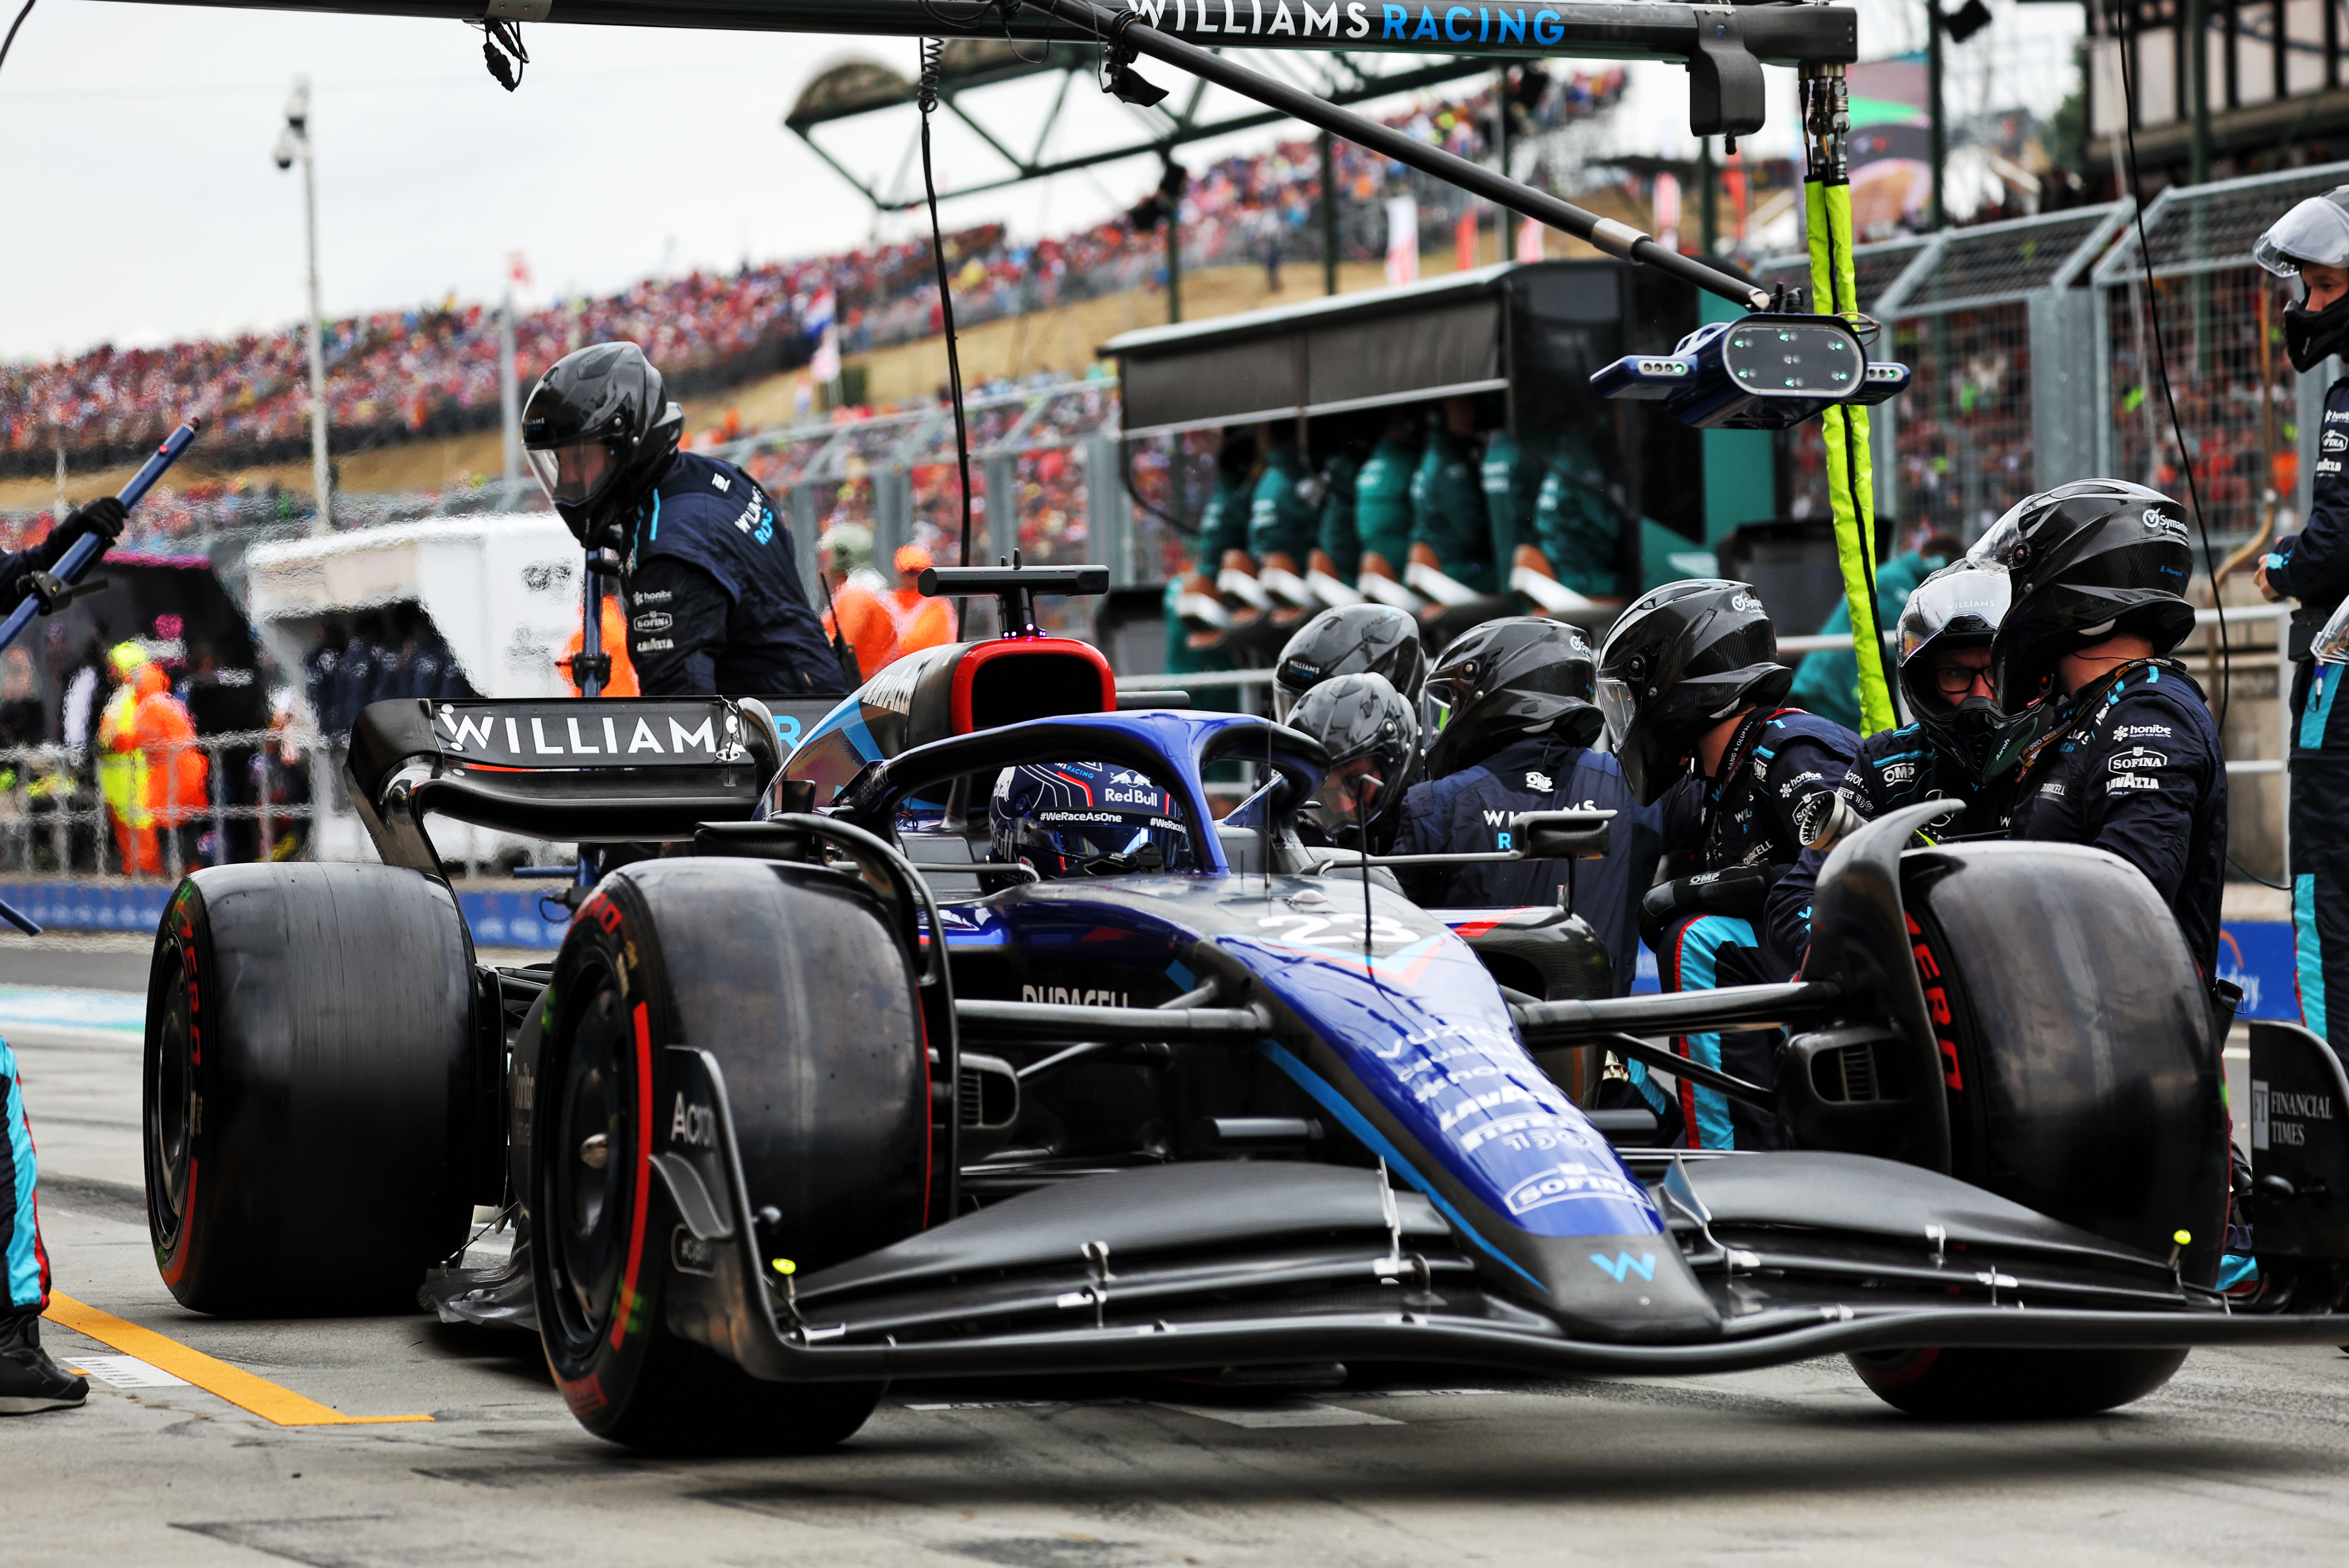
{"points": [[213, 1376]]}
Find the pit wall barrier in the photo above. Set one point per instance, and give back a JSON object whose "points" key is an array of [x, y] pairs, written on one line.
{"points": [[500, 918]]}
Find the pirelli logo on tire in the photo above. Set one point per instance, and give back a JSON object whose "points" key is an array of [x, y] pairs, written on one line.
{"points": [[590, 733]]}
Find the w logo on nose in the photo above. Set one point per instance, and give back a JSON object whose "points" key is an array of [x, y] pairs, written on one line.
{"points": [[1620, 1265]]}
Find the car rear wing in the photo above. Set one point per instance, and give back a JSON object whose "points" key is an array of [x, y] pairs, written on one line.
{"points": [[601, 770]]}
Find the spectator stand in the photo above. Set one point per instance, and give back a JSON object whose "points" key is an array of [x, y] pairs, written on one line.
{"points": [[1996, 326], [1051, 450]]}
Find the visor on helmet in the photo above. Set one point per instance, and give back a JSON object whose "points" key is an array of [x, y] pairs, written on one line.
{"points": [[2315, 231], [575, 474], [2331, 644], [1970, 601], [1617, 705]]}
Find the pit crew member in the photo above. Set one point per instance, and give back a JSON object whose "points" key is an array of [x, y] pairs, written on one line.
{"points": [[2312, 243], [1689, 680], [2125, 756], [1354, 640], [712, 580], [1945, 752], [30, 1381], [1514, 700], [1372, 733]]}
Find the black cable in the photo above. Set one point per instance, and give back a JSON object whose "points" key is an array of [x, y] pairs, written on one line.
{"points": [[11, 39], [2170, 397], [928, 98]]}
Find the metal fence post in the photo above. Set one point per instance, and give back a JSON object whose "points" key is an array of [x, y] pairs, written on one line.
{"points": [[1109, 512]]}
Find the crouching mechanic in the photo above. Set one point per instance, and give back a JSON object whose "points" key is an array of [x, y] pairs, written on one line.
{"points": [[1514, 700], [1690, 683], [1945, 753], [29, 1380], [711, 578]]}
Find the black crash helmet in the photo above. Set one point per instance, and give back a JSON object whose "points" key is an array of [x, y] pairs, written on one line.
{"points": [[2314, 232], [598, 430], [1959, 607], [1506, 680], [1375, 640], [1085, 819], [1683, 658], [2088, 560], [1372, 733]]}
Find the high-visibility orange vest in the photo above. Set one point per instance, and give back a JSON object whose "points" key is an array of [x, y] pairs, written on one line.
{"points": [[615, 643]]}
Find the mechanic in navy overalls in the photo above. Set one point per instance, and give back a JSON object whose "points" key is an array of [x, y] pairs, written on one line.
{"points": [[29, 1380], [711, 578], [1945, 752], [1514, 700], [2311, 242], [1689, 680]]}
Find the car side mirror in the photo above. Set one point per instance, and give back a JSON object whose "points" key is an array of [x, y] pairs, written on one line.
{"points": [[1561, 834]]}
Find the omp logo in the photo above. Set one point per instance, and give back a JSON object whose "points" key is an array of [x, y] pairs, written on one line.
{"points": [[1620, 1267], [2137, 757], [1899, 772], [1539, 783]]}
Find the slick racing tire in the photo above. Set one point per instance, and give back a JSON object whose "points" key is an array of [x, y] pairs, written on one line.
{"points": [[2012, 1385], [794, 981], [309, 1106]]}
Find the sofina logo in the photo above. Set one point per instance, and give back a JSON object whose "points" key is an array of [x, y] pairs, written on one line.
{"points": [[1620, 1267]]}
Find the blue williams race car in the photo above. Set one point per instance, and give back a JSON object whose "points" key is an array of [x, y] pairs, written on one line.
{"points": [[818, 1095]]}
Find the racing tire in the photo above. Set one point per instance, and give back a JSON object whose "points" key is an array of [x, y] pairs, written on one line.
{"points": [[308, 1107], [2012, 1385], [796, 981]]}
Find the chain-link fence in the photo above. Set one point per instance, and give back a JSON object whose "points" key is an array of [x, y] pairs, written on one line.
{"points": [[2250, 420], [1996, 330], [159, 811]]}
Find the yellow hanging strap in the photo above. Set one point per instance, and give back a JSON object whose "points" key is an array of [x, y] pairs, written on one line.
{"points": [[1851, 485]]}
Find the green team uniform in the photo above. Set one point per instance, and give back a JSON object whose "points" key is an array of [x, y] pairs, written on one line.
{"points": [[1338, 539], [1223, 524], [1382, 504], [1282, 519], [1826, 682], [1578, 526], [1512, 484], [1447, 509]]}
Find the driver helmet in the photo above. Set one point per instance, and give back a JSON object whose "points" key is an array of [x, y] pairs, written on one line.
{"points": [[1378, 639], [2087, 560], [2316, 233], [1957, 606], [1683, 658], [1085, 819], [1372, 733], [598, 431]]}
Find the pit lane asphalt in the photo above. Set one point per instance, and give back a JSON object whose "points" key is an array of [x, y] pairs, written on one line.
{"points": [[2244, 1457]]}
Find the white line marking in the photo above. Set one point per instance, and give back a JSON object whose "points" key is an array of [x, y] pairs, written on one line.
{"points": [[126, 1372], [1288, 1413]]}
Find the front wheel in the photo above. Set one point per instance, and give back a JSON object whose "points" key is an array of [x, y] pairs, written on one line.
{"points": [[2012, 1385], [803, 992]]}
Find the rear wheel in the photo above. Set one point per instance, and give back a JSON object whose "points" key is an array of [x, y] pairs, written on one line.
{"points": [[310, 1110], [795, 980], [2012, 1385]]}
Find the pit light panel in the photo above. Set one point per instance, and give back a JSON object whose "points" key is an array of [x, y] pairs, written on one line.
{"points": [[1761, 372]]}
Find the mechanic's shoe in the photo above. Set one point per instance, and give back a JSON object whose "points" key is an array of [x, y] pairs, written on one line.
{"points": [[30, 1381]]}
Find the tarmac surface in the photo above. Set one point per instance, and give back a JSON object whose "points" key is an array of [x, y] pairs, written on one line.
{"points": [[2244, 1457]]}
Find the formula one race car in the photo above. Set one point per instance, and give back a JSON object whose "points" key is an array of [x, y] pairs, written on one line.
{"points": [[817, 1099]]}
